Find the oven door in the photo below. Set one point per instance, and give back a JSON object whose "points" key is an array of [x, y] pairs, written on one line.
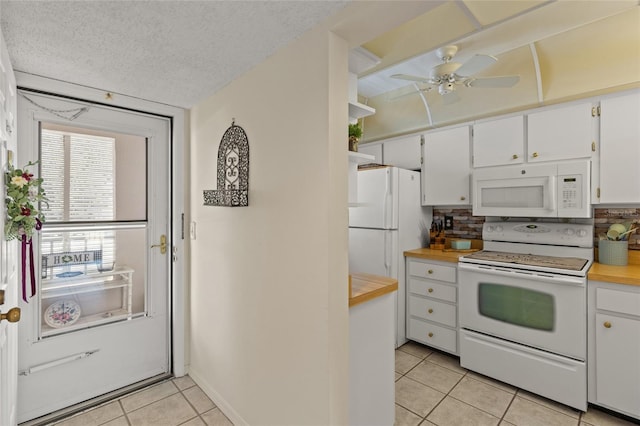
{"points": [[544, 311]]}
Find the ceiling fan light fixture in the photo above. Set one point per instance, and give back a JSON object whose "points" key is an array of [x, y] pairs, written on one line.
{"points": [[446, 87]]}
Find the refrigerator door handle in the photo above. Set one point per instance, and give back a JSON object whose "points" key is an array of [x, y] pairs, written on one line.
{"points": [[387, 200], [387, 260]]}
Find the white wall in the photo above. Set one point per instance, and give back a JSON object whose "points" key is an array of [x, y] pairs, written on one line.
{"points": [[269, 286]]}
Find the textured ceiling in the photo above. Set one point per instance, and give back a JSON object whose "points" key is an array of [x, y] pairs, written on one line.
{"points": [[172, 52]]}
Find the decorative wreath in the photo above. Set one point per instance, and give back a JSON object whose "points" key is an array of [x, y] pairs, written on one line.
{"points": [[23, 195]]}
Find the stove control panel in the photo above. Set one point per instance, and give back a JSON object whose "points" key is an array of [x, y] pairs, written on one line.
{"points": [[569, 234]]}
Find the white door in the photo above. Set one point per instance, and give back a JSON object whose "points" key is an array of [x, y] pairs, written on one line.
{"points": [[100, 319], [8, 306], [8, 253]]}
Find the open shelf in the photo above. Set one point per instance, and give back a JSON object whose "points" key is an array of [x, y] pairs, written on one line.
{"points": [[358, 110]]}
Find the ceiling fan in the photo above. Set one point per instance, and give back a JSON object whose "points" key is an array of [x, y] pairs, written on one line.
{"points": [[449, 74]]}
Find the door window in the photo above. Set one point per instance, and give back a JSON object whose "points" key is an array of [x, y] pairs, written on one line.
{"points": [[96, 185]]}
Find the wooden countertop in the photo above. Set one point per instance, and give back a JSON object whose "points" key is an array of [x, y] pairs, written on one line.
{"points": [[629, 274], [365, 287], [435, 254]]}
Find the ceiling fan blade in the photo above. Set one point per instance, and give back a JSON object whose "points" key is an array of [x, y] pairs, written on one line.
{"points": [[503, 81], [476, 64], [450, 98], [411, 78]]}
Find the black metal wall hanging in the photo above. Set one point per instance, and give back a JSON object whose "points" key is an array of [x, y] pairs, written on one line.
{"points": [[233, 171]]}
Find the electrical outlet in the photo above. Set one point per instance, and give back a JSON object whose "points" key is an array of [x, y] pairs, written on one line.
{"points": [[448, 222]]}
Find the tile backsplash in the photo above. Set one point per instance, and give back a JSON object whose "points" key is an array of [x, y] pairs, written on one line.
{"points": [[465, 225], [603, 218]]}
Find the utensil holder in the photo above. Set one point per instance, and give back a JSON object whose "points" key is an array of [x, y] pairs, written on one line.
{"points": [[613, 252]]}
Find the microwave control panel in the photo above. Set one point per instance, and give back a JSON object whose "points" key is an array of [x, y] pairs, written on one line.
{"points": [[570, 192]]}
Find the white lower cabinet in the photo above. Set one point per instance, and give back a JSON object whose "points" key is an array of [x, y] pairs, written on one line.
{"points": [[614, 348], [371, 362], [432, 304]]}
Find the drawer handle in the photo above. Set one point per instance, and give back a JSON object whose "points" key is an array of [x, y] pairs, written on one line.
{"points": [[430, 290], [430, 271], [430, 311], [430, 334], [534, 155], [462, 198], [515, 156], [607, 324]]}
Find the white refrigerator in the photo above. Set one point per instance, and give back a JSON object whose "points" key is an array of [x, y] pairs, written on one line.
{"points": [[387, 220]]}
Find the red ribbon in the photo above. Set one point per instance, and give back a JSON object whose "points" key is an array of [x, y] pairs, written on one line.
{"points": [[26, 243]]}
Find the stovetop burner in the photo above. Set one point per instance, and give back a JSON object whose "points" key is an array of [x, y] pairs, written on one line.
{"points": [[533, 260]]}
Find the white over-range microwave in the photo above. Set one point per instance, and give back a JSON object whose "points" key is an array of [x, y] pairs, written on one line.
{"points": [[554, 189]]}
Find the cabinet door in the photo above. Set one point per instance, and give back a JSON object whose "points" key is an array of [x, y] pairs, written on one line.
{"points": [[446, 167], [560, 133], [374, 149], [404, 152], [620, 149], [617, 366], [498, 142]]}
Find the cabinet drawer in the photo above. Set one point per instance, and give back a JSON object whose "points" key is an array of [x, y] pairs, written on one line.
{"points": [[433, 335], [618, 301], [432, 310], [433, 289], [432, 271]]}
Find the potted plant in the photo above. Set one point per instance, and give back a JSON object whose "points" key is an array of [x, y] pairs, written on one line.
{"points": [[355, 132]]}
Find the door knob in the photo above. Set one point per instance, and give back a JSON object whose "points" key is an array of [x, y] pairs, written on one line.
{"points": [[162, 245], [13, 315]]}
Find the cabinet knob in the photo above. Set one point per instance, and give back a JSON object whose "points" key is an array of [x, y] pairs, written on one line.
{"points": [[534, 155], [430, 290], [515, 156], [430, 311], [607, 324], [12, 315], [462, 198], [430, 334], [430, 271]]}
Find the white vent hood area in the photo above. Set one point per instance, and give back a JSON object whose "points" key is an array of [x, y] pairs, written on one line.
{"points": [[561, 51]]}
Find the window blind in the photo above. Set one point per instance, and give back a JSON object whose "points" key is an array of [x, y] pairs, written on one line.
{"points": [[78, 172]]}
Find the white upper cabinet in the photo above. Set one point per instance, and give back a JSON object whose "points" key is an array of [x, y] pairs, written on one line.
{"points": [[620, 149], [403, 152], [561, 133], [374, 149], [498, 142], [446, 167]]}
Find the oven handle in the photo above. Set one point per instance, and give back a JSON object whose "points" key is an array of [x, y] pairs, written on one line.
{"points": [[513, 273]]}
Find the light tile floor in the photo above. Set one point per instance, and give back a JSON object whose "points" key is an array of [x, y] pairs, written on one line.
{"points": [[432, 389], [170, 403]]}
